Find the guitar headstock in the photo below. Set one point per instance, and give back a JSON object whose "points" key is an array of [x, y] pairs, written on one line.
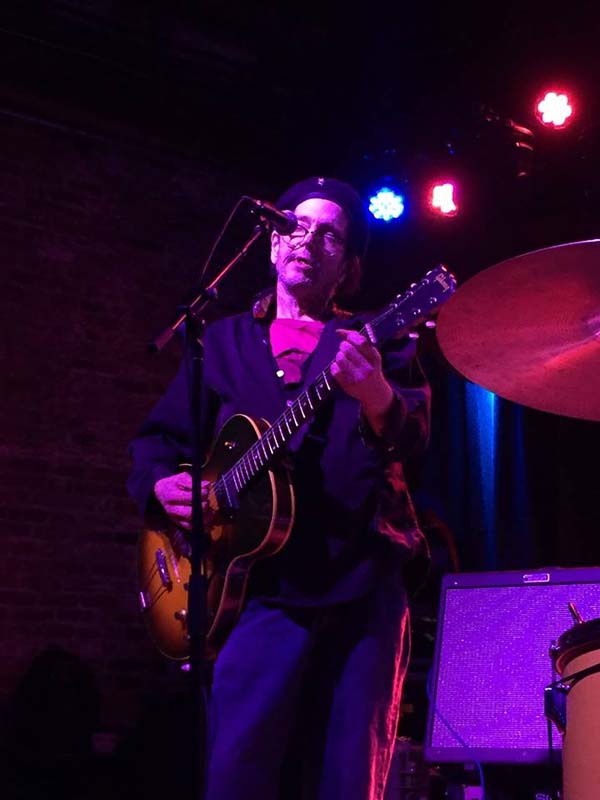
{"points": [[415, 305]]}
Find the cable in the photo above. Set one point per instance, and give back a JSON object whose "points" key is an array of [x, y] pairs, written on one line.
{"points": [[454, 732], [219, 238]]}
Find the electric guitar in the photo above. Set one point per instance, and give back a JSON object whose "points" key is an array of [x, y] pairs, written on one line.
{"points": [[251, 497]]}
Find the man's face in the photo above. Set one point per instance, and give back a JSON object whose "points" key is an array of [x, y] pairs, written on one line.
{"points": [[312, 265]]}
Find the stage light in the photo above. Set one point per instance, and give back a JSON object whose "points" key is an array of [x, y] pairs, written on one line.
{"points": [[386, 204], [555, 109], [442, 199]]}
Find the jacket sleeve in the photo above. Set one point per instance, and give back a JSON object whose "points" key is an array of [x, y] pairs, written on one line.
{"points": [[163, 443], [404, 437], [406, 430]]}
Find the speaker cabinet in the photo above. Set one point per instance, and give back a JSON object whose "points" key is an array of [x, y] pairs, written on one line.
{"points": [[492, 662]]}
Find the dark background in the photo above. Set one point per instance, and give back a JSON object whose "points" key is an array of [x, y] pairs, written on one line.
{"points": [[128, 131]]}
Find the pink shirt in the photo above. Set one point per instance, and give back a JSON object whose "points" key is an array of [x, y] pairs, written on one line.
{"points": [[292, 342]]}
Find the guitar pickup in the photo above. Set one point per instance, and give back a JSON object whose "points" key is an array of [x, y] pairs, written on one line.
{"points": [[163, 569]]}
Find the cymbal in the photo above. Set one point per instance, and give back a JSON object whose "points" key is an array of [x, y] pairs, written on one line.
{"points": [[528, 329]]}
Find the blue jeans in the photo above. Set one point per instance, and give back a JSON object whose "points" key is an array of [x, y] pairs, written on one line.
{"points": [[305, 702]]}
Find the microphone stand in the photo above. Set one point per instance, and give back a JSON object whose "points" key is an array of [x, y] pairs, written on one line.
{"points": [[196, 619]]}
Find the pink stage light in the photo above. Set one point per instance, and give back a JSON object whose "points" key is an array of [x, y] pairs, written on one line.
{"points": [[555, 109], [442, 199]]}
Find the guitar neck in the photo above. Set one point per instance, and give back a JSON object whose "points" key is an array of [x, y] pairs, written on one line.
{"points": [[410, 308], [273, 440]]}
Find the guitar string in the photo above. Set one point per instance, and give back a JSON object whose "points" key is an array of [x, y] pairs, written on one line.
{"points": [[246, 467]]}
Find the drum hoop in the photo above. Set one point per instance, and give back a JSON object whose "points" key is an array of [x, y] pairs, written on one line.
{"points": [[566, 684]]}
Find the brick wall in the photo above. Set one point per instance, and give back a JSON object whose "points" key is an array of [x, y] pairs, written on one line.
{"points": [[100, 239]]}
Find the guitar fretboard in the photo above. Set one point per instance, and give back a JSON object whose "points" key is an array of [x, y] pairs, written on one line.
{"points": [[301, 410], [264, 450]]}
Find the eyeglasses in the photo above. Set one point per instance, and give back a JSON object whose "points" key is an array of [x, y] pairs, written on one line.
{"points": [[328, 240]]}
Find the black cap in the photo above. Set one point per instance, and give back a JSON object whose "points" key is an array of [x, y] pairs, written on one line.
{"points": [[340, 193]]}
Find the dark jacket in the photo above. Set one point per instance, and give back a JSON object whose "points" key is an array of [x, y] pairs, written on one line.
{"points": [[354, 515]]}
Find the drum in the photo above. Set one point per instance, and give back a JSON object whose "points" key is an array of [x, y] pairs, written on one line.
{"points": [[576, 658]]}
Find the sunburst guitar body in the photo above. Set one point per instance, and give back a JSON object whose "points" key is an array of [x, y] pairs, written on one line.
{"points": [[256, 525]]}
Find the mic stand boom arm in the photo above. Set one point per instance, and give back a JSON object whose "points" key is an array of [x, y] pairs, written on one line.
{"points": [[202, 299]]}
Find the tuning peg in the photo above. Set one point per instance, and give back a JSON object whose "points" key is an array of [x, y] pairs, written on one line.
{"points": [[413, 335], [431, 323]]}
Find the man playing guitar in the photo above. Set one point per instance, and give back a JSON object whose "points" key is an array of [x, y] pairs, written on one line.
{"points": [[306, 685]]}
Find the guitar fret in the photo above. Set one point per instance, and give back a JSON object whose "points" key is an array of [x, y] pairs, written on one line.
{"points": [[300, 399], [262, 444], [274, 434], [229, 503], [317, 391], [247, 468], [326, 381], [294, 416], [239, 475], [219, 490]]}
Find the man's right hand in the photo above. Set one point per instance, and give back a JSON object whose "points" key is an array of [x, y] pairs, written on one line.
{"points": [[175, 495]]}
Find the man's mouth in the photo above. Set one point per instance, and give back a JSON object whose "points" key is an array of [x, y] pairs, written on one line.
{"points": [[304, 262]]}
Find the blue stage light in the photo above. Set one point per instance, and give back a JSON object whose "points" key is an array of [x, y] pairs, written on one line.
{"points": [[386, 204], [482, 422]]}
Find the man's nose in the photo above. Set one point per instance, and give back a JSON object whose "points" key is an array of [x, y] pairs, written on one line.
{"points": [[311, 237]]}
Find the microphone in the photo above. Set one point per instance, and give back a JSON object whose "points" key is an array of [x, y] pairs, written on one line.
{"points": [[282, 221]]}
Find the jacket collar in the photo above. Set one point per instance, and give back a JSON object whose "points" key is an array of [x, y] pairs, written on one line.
{"points": [[264, 305]]}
